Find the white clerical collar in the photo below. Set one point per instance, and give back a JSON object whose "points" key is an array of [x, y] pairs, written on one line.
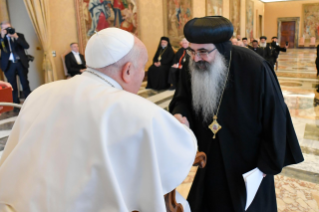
{"points": [[105, 77], [76, 52]]}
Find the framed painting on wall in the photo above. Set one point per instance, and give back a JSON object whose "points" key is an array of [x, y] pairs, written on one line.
{"points": [[310, 21], [214, 7], [176, 14], [234, 15], [249, 31], [95, 15]]}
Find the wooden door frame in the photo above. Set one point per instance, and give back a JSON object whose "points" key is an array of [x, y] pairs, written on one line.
{"points": [[297, 21]]}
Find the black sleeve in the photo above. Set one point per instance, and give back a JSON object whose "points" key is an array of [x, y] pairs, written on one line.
{"points": [[178, 55], [83, 62], [279, 145], [21, 41], [155, 57], [182, 100], [169, 57], [279, 49], [71, 70]]}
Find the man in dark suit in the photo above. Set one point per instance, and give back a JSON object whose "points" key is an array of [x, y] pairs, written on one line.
{"points": [[14, 60], [74, 61]]}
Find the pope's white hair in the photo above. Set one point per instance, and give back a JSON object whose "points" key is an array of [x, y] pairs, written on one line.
{"points": [[207, 85]]}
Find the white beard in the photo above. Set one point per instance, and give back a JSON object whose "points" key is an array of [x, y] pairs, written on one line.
{"points": [[207, 85], [263, 45]]}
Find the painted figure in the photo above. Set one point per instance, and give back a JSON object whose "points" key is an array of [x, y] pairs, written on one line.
{"points": [[96, 7]]}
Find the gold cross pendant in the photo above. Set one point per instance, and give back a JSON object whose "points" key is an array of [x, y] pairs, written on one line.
{"points": [[214, 127]]}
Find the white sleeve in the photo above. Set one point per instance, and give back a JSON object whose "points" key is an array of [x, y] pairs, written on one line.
{"points": [[176, 148]]}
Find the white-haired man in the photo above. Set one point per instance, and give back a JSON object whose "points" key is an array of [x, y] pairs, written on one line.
{"points": [[91, 144], [179, 60], [233, 103]]}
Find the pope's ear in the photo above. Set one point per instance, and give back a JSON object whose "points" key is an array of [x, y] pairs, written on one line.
{"points": [[126, 72]]}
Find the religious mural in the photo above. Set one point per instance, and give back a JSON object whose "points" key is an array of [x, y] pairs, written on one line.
{"points": [[311, 20], [234, 15], [214, 7], [176, 14], [95, 15], [249, 31]]}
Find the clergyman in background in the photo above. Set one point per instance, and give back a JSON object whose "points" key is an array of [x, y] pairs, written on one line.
{"points": [[179, 60], [157, 75], [74, 61]]}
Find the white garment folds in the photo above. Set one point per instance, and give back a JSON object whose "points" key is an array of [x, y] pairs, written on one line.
{"points": [[80, 145]]}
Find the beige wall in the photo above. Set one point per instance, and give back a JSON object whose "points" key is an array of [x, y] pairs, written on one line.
{"points": [[259, 8], [63, 30], [276, 10], [151, 25]]}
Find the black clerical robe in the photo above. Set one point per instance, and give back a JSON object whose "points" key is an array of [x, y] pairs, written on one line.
{"points": [[257, 131], [180, 58], [157, 77], [275, 51]]}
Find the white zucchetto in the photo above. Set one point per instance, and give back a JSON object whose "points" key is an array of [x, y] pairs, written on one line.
{"points": [[107, 47]]}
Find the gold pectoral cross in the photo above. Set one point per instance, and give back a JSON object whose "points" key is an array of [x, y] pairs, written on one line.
{"points": [[214, 127]]}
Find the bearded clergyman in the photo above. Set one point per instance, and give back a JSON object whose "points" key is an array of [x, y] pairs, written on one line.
{"points": [[232, 101]]}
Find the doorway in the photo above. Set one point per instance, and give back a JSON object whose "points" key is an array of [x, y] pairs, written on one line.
{"points": [[287, 33]]}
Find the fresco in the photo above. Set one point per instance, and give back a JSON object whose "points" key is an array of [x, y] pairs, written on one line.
{"points": [[214, 7], [177, 14], [310, 21], [249, 31], [234, 15]]}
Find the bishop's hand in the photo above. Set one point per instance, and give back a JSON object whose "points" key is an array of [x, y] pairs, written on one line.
{"points": [[182, 119]]}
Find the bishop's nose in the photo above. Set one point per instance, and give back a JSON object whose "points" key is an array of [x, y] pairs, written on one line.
{"points": [[197, 58]]}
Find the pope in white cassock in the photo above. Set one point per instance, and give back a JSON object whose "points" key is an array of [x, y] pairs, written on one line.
{"points": [[91, 144]]}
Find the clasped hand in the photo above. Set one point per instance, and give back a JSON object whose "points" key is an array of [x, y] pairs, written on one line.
{"points": [[182, 119]]}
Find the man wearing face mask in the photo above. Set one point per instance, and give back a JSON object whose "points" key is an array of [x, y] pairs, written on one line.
{"points": [[179, 60], [232, 101], [157, 75]]}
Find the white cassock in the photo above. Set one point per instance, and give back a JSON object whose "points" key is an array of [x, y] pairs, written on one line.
{"points": [[82, 145]]}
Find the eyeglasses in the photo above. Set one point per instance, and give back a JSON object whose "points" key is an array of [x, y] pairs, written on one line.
{"points": [[201, 54]]}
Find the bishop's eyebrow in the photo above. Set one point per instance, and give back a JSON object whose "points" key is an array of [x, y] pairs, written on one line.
{"points": [[201, 49]]}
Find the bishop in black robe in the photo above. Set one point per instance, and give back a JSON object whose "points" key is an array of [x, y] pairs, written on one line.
{"points": [[157, 75], [256, 131]]}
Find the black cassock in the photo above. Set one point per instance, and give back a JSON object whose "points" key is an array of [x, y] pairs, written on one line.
{"points": [[157, 77], [257, 131], [180, 57]]}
